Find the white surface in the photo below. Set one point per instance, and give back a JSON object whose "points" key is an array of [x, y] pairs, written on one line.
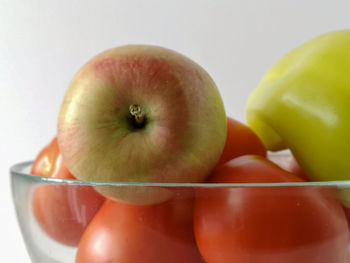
{"points": [[43, 43]]}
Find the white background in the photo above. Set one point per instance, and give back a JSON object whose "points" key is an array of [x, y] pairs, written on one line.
{"points": [[43, 43]]}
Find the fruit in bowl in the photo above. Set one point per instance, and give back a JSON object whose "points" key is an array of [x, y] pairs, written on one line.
{"points": [[141, 114], [260, 221], [146, 127]]}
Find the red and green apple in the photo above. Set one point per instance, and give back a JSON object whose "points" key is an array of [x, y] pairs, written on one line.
{"points": [[141, 113]]}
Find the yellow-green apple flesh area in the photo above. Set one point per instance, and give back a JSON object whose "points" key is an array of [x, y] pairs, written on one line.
{"points": [[141, 113]]}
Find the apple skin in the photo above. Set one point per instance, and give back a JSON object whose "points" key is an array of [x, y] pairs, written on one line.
{"points": [[181, 134]]}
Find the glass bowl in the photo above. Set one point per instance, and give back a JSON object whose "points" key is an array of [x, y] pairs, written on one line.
{"points": [[68, 221]]}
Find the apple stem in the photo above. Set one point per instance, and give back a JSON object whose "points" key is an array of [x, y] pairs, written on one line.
{"points": [[137, 113]]}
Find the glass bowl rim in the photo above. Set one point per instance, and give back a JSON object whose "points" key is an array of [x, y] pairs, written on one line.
{"points": [[16, 170]]}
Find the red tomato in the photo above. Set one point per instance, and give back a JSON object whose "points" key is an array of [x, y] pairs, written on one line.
{"points": [[45, 162], [347, 214], [240, 140], [289, 163], [62, 211], [267, 224], [149, 234]]}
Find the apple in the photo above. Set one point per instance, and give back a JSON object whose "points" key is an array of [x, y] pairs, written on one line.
{"points": [[141, 113]]}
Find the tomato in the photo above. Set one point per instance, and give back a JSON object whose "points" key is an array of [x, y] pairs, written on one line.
{"points": [[240, 140], [62, 211], [343, 196], [288, 163], [347, 213], [45, 162], [128, 233], [267, 224], [347, 259]]}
